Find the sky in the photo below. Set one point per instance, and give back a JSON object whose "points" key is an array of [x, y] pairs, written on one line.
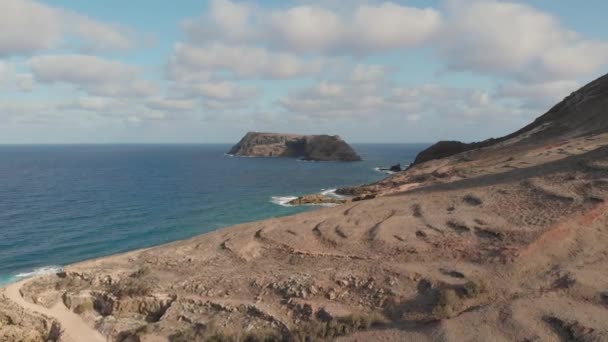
{"points": [[196, 71]]}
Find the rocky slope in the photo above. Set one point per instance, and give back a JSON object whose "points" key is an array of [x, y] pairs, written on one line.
{"points": [[307, 147], [17, 324], [581, 113], [501, 243], [578, 122]]}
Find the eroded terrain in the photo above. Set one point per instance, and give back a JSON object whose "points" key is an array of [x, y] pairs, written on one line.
{"points": [[502, 243]]}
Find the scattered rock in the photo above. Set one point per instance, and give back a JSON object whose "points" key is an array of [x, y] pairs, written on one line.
{"points": [[458, 227], [571, 330], [316, 199], [452, 273], [364, 197], [417, 210], [393, 168], [472, 200]]}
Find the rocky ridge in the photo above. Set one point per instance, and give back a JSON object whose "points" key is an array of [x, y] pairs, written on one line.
{"points": [[580, 113]]}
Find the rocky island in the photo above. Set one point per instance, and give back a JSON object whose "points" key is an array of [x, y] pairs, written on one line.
{"points": [[306, 147], [504, 241]]}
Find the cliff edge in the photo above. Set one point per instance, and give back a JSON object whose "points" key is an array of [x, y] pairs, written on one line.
{"points": [[581, 113], [306, 147]]}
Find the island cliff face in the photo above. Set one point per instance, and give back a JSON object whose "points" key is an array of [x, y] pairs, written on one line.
{"points": [[307, 147]]}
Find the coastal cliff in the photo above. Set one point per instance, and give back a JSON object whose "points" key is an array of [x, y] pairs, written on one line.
{"points": [[580, 113], [306, 147], [504, 242]]}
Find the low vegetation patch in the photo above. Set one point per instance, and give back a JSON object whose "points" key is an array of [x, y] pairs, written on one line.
{"points": [[451, 301], [472, 200], [571, 330]]}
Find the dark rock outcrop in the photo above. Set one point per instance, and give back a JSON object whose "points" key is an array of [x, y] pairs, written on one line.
{"points": [[445, 149], [395, 168], [307, 147], [316, 199]]}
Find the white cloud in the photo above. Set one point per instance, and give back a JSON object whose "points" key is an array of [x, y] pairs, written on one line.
{"points": [[130, 88], [224, 91], [306, 28], [94, 104], [28, 26], [10, 79], [100, 36], [516, 40], [368, 73], [80, 69], [391, 26], [539, 96], [229, 19], [386, 101], [24, 82], [350, 51], [242, 61], [168, 104], [97, 76], [329, 89], [6, 72], [367, 28]]}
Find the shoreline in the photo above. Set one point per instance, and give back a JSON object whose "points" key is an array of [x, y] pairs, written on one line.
{"points": [[42, 271], [136, 251], [78, 234], [326, 262]]}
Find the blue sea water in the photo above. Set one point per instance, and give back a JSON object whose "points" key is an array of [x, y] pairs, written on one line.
{"points": [[67, 203]]}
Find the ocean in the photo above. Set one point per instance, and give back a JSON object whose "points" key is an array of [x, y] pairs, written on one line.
{"points": [[61, 204]]}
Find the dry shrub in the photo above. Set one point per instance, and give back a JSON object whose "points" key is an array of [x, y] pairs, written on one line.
{"points": [[130, 287]]}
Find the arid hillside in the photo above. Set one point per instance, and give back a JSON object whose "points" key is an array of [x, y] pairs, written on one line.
{"points": [[501, 243]]}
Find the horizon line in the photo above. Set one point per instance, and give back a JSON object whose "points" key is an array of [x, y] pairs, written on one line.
{"points": [[180, 143]]}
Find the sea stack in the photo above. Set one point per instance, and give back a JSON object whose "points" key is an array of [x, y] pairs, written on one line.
{"points": [[306, 147]]}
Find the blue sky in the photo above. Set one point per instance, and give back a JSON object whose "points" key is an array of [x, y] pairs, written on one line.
{"points": [[74, 71]]}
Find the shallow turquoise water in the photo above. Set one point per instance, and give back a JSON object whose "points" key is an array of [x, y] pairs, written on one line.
{"points": [[63, 204]]}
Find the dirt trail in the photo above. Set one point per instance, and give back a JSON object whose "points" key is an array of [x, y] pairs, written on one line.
{"points": [[73, 327]]}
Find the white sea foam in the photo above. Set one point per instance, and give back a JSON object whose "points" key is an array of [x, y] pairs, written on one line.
{"points": [[39, 271], [283, 200], [238, 156], [331, 193], [388, 172]]}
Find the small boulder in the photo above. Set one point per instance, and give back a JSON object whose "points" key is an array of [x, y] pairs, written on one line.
{"points": [[395, 168]]}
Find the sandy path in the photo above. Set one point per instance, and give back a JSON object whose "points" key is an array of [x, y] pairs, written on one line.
{"points": [[74, 328]]}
